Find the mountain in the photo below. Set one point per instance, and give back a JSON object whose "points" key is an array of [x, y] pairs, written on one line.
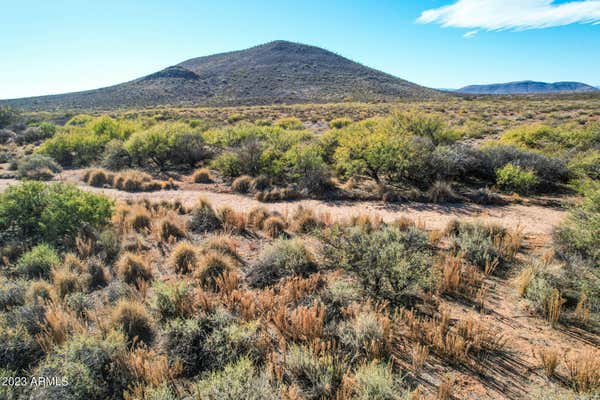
{"points": [[528, 87], [275, 72]]}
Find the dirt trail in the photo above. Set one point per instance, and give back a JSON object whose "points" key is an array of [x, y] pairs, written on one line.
{"points": [[534, 220]]}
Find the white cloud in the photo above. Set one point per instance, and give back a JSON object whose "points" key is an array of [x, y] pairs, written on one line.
{"points": [[470, 34], [512, 14]]}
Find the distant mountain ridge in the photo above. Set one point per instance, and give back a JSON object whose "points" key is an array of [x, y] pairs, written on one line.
{"points": [[528, 87], [272, 73]]}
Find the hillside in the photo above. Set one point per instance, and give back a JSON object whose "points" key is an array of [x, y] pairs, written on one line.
{"points": [[277, 72], [528, 87]]}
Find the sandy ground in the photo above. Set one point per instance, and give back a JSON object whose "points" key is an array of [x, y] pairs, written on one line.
{"points": [[534, 220]]}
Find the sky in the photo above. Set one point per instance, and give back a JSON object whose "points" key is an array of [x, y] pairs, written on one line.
{"points": [[60, 46]]}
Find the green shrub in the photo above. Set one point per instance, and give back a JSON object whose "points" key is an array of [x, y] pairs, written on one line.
{"points": [[184, 342], [376, 381], [18, 348], [228, 164], [12, 293], [167, 144], [38, 262], [37, 167], [74, 381], [173, 300], [577, 237], [32, 212], [282, 258], [586, 165], [317, 376], [305, 166], [339, 123], [514, 178], [233, 342], [391, 264], [115, 156], [7, 116], [291, 123], [365, 327], [236, 381], [74, 148]]}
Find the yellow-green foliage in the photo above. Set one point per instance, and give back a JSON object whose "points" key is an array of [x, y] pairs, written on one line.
{"points": [[553, 140]]}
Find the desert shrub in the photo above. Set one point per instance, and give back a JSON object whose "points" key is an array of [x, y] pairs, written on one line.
{"points": [[108, 244], [256, 217], [173, 300], [274, 226], [548, 170], [203, 218], [37, 167], [34, 134], [228, 164], [18, 348], [169, 228], [385, 150], [441, 192], [291, 123], [481, 245], [184, 342], [234, 341], [134, 321], [201, 175], [211, 266], [339, 123], [184, 258], [12, 293], [167, 144], [115, 156], [337, 296], [552, 140], [577, 237], [514, 178], [32, 212], [366, 334], [223, 244], [305, 221], [101, 356], [74, 149], [236, 381], [317, 376], [6, 136], [305, 166], [280, 259], [39, 292], [586, 165], [391, 264], [140, 219], [66, 282], [75, 381], [376, 381], [241, 184], [37, 262], [79, 303], [7, 116], [117, 290], [132, 267]]}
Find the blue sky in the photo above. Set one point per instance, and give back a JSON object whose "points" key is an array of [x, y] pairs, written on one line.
{"points": [[67, 45]]}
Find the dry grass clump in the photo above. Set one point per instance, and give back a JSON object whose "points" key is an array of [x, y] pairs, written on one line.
{"points": [[211, 266], [242, 184], [169, 228], [139, 218], [223, 244], [39, 292], [300, 324], [201, 175], [274, 226], [256, 217], [184, 258], [59, 325], [441, 192], [203, 218], [548, 358], [66, 281], [133, 319], [277, 194], [366, 222], [458, 277], [305, 221], [129, 181], [97, 177], [584, 372], [232, 220], [133, 268]]}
